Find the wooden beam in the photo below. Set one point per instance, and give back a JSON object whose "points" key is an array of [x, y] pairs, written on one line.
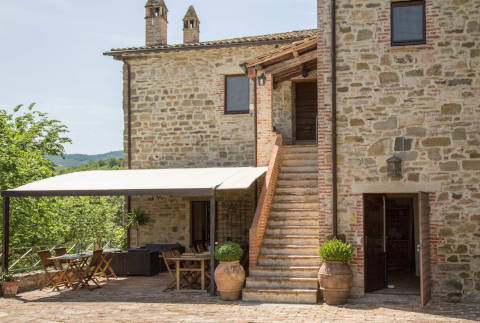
{"points": [[6, 232], [284, 53], [300, 60], [297, 71]]}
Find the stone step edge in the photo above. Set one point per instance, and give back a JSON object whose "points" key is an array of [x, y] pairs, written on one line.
{"points": [[292, 227], [288, 256], [280, 290], [290, 236], [291, 246]]}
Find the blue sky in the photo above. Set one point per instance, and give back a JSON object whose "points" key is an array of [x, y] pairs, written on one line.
{"points": [[51, 53]]}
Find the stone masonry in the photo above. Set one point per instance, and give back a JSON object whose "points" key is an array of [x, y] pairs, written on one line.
{"points": [[420, 103]]}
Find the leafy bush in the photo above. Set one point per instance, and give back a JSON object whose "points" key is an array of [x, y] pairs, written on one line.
{"points": [[336, 250], [228, 251], [6, 277]]}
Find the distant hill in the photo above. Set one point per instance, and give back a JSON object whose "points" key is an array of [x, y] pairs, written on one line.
{"points": [[75, 160]]}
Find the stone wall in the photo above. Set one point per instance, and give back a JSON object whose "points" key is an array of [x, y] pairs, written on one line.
{"points": [[420, 103], [170, 218]]}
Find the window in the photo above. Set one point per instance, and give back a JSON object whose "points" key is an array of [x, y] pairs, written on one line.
{"points": [[237, 96], [408, 23]]}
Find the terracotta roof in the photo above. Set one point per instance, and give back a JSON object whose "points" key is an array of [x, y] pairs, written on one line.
{"points": [[269, 38], [191, 14]]}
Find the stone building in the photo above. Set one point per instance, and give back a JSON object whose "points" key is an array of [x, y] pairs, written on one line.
{"points": [[406, 90]]}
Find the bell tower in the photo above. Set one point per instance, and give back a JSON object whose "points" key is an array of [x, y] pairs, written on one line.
{"points": [[156, 22], [191, 27]]}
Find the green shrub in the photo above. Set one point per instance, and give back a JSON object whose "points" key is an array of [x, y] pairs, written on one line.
{"points": [[7, 277], [336, 250], [228, 251]]}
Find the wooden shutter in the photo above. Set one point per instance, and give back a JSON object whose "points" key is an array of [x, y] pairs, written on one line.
{"points": [[425, 269]]}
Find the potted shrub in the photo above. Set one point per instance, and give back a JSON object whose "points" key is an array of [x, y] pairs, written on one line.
{"points": [[335, 276], [229, 274], [9, 284]]}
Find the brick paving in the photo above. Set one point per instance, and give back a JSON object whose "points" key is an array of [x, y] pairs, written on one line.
{"points": [[143, 299]]}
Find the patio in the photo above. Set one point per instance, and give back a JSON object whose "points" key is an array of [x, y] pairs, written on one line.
{"points": [[143, 299]]}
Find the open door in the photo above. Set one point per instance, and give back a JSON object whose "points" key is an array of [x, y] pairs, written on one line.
{"points": [[424, 246], [375, 247]]}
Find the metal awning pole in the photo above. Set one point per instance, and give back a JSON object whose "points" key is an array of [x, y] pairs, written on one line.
{"points": [[212, 243], [6, 232]]}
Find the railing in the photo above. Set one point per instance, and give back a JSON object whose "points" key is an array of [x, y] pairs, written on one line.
{"points": [[257, 231], [25, 259]]}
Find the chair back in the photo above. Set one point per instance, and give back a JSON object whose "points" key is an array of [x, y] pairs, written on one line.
{"points": [[168, 253], [199, 246], [45, 260], [96, 258], [60, 251]]}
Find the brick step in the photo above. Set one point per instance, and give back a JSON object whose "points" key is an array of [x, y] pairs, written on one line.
{"points": [[292, 230], [284, 198], [299, 163], [298, 169], [296, 191], [299, 149], [278, 249], [292, 220], [295, 205], [282, 282], [298, 183], [288, 260], [293, 213], [291, 239], [293, 296], [298, 176], [295, 155], [284, 271]]}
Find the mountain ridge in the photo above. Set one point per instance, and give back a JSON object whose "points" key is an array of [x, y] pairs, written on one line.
{"points": [[74, 160]]}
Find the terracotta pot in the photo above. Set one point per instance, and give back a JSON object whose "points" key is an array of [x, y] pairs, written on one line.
{"points": [[229, 277], [335, 280], [10, 288]]}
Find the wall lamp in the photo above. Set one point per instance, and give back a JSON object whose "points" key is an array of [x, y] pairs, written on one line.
{"points": [[262, 79]]}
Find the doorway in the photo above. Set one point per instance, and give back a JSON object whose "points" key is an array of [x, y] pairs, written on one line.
{"points": [[200, 225], [306, 109], [396, 257]]}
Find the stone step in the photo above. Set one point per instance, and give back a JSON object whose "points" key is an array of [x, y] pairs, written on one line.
{"points": [[298, 176], [296, 191], [293, 213], [278, 249], [291, 239], [293, 296], [292, 230], [294, 155], [298, 183], [284, 271], [299, 169], [283, 198], [299, 149], [299, 163], [282, 282], [288, 260], [295, 205], [292, 220]]}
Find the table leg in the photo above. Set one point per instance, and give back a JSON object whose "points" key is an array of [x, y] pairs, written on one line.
{"points": [[203, 273], [177, 265]]}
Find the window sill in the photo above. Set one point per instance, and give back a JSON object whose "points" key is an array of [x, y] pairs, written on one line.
{"points": [[409, 48]]}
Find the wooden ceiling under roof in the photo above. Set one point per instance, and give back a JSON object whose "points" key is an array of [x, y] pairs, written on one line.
{"points": [[287, 62]]}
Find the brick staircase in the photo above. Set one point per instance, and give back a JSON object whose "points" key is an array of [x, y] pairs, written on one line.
{"points": [[288, 263]]}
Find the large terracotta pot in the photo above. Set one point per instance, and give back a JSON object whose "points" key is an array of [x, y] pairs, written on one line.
{"points": [[10, 288], [335, 280], [229, 277]]}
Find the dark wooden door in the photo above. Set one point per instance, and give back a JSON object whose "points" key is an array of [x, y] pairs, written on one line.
{"points": [[375, 248], [306, 111], [424, 229], [200, 223]]}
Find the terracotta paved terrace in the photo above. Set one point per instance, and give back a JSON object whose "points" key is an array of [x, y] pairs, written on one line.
{"points": [[141, 299]]}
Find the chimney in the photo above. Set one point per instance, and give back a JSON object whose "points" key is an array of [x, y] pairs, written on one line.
{"points": [[191, 27], [156, 23]]}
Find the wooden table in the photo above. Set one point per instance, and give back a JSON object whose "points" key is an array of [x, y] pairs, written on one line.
{"points": [[200, 258]]}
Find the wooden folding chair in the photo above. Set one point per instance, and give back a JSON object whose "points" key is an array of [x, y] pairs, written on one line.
{"points": [[106, 266], [199, 247], [93, 266], [171, 268], [52, 273]]}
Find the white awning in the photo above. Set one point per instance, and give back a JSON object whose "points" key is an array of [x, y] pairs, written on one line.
{"points": [[176, 181]]}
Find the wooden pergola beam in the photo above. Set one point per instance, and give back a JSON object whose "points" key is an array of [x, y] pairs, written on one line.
{"points": [[298, 61]]}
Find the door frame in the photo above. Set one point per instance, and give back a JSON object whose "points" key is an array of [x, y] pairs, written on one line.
{"points": [[294, 107]]}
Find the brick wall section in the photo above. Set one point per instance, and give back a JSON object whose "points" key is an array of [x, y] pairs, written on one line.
{"points": [[265, 201], [265, 134], [419, 103], [191, 35], [156, 30]]}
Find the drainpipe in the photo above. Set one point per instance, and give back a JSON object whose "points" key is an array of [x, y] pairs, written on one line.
{"points": [[333, 52], [129, 143], [255, 118]]}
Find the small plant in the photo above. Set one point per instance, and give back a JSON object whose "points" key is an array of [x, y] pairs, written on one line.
{"points": [[228, 251], [7, 277], [137, 219], [336, 250]]}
